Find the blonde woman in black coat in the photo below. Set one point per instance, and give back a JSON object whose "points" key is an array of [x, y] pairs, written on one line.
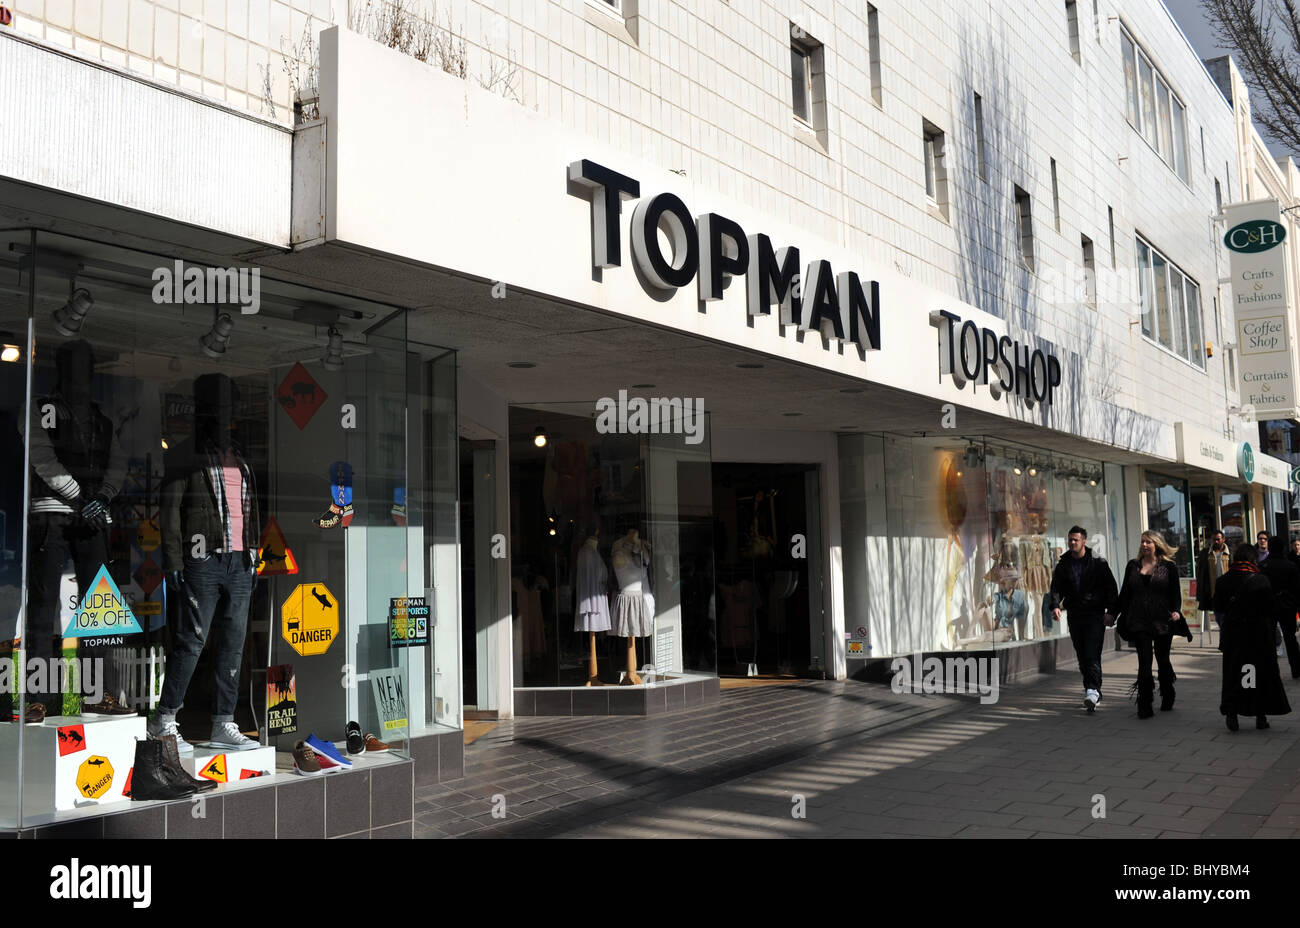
{"points": [[1149, 601]]}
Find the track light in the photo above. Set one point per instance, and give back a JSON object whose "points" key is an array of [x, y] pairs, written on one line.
{"points": [[1033, 470], [539, 436], [333, 360], [214, 342], [9, 349], [69, 317]]}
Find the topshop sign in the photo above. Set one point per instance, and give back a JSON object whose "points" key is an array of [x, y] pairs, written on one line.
{"points": [[709, 248]]}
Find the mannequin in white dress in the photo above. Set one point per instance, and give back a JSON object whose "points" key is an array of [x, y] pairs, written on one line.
{"points": [[632, 618]]}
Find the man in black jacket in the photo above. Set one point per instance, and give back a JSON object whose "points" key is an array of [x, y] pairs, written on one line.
{"points": [[1084, 586], [1285, 578]]}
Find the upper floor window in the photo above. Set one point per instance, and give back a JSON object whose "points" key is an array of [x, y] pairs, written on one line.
{"points": [[808, 82], [1171, 305], [1152, 108]]}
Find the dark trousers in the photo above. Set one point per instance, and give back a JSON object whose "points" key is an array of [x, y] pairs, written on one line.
{"points": [[1146, 645], [1088, 632], [54, 537], [215, 596], [1287, 625]]}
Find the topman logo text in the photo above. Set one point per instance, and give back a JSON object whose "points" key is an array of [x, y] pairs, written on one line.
{"points": [[656, 416], [209, 287]]}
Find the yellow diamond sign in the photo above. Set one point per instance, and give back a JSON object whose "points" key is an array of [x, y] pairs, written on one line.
{"points": [[309, 619], [94, 777]]}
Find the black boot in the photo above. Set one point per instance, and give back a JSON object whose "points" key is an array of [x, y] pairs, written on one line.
{"points": [[1167, 692], [172, 763], [1145, 693], [152, 779]]}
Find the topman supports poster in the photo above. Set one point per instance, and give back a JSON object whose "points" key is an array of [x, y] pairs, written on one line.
{"points": [[1254, 237]]}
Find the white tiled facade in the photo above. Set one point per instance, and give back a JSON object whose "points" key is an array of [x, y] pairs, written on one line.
{"points": [[703, 86]]}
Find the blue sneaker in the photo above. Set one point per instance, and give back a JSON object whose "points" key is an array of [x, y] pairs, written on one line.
{"points": [[328, 750]]}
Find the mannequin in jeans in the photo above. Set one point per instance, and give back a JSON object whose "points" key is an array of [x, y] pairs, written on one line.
{"points": [[210, 536], [77, 469]]}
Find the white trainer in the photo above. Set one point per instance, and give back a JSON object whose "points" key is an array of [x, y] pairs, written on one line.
{"points": [[160, 726], [228, 737]]}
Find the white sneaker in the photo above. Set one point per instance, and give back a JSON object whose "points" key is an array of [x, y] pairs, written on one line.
{"points": [[160, 726], [1090, 699], [228, 737]]}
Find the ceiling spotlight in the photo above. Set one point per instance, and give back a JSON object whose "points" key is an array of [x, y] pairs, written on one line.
{"points": [[521, 365], [214, 342], [165, 446], [539, 436], [9, 350], [333, 360], [1033, 471], [973, 456], [69, 317], [1016, 470]]}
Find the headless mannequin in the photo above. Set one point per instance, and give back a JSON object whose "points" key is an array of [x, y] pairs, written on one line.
{"points": [[631, 543]]}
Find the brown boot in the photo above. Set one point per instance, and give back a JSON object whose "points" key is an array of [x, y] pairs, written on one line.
{"points": [[174, 770]]}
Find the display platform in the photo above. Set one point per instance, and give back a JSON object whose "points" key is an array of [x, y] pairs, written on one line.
{"points": [[74, 761], [229, 766]]}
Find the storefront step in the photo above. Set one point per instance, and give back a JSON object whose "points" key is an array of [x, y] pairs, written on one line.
{"points": [[667, 696]]}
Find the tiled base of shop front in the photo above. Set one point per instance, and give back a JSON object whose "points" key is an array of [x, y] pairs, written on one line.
{"points": [[1020, 662], [372, 800], [684, 692]]}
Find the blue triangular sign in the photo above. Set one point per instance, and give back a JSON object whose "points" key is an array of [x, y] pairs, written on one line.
{"points": [[103, 611]]}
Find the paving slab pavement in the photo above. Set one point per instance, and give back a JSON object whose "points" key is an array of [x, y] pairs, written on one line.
{"points": [[848, 759]]}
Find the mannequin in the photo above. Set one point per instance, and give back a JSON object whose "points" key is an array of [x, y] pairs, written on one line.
{"points": [[633, 618], [210, 534], [592, 613], [78, 466]]}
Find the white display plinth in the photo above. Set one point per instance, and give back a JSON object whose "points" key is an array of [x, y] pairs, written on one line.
{"points": [[229, 766], [89, 764]]}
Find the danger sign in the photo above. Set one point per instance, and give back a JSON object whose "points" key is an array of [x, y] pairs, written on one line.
{"points": [[309, 619], [94, 776], [277, 559], [300, 396], [215, 769], [103, 611]]}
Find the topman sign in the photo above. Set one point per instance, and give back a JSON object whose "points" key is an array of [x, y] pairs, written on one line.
{"points": [[710, 248]]}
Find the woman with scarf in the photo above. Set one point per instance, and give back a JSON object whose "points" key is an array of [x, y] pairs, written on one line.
{"points": [[1243, 601], [1148, 613]]}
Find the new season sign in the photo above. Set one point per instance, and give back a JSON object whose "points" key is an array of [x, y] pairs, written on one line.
{"points": [[1254, 238]]}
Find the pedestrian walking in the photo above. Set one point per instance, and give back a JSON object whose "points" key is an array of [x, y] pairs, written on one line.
{"points": [[1261, 547], [1148, 615], [1284, 576], [1243, 604], [1293, 553], [1211, 564], [1083, 585]]}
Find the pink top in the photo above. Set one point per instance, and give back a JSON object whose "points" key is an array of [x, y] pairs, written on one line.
{"points": [[234, 481]]}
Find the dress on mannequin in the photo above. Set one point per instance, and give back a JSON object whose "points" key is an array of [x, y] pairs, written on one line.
{"points": [[528, 592], [592, 614], [631, 619]]}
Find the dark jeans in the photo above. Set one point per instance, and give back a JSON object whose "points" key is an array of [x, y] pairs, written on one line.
{"points": [[54, 538], [1146, 645], [215, 596], [1088, 632]]}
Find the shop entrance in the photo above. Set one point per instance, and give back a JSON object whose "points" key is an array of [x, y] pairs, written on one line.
{"points": [[767, 539], [477, 580]]}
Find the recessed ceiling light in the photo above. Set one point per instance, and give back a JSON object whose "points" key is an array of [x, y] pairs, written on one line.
{"points": [[521, 365], [853, 390], [792, 414], [642, 386], [748, 366], [845, 428]]}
